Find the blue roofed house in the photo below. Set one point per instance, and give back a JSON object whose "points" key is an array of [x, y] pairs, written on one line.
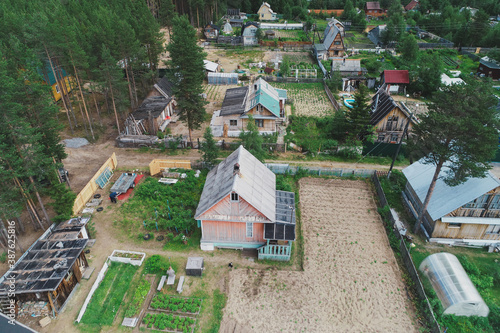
{"points": [[240, 208], [333, 43], [467, 214], [261, 100]]}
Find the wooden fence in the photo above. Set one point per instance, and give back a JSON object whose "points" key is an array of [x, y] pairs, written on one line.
{"points": [[157, 165], [405, 255], [332, 99], [88, 191]]}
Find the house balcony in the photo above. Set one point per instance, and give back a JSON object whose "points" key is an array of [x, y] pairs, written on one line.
{"points": [[275, 252]]}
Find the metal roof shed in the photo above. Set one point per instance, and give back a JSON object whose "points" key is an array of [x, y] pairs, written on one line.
{"points": [[194, 266], [453, 286]]}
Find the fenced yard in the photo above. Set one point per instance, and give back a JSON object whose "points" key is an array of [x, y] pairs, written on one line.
{"points": [[309, 99], [350, 279]]}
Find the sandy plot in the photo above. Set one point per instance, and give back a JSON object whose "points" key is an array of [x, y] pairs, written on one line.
{"points": [[350, 281]]}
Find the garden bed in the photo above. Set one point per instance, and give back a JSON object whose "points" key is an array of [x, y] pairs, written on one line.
{"points": [[167, 322], [128, 257], [309, 99], [180, 305], [108, 297]]}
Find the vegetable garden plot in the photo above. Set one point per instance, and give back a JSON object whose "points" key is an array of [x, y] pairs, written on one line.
{"points": [[109, 295], [190, 306], [309, 99], [168, 323]]}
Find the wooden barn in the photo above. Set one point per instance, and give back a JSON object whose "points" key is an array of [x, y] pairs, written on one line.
{"points": [[240, 208], [389, 117], [373, 9], [333, 43], [467, 214], [155, 112], [50, 269]]}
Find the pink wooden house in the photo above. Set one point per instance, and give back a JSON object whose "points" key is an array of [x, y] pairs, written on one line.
{"points": [[241, 208]]}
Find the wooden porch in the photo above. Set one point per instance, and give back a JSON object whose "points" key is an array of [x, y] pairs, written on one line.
{"points": [[275, 252]]}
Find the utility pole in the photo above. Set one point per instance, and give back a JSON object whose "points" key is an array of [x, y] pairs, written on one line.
{"points": [[400, 142]]}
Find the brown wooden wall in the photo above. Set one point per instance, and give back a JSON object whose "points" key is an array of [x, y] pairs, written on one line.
{"points": [[396, 128], [469, 231], [336, 48], [231, 232]]}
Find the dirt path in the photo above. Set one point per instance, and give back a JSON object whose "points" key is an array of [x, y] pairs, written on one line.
{"points": [[350, 283]]}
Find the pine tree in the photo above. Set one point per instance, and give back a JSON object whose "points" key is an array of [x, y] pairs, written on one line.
{"points": [[359, 116], [209, 149], [187, 73], [460, 131], [252, 140]]}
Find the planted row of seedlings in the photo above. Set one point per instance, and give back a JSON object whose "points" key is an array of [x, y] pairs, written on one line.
{"points": [[175, 304], [168, 322]]}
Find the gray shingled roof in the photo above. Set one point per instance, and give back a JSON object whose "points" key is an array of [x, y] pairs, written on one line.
{"points": [[446, 199], [255, 184], [331, 32]]}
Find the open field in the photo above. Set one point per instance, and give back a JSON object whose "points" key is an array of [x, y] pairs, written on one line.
{"points": [[309, 99], [350, 280]]}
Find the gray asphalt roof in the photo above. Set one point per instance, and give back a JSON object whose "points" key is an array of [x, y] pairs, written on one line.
{"points": [[446, 199], [331, 32], [234, 101], [255, 183], [164, 87], [155, 104]]}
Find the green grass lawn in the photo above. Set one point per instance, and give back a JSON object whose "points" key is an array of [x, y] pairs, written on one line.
{"points": [[354, 39], [108, 297]]}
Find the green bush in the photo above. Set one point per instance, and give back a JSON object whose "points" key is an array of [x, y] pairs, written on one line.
{"points": [[3, 257]]}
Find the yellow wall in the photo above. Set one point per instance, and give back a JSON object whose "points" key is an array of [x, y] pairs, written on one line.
{"points": [[267, 14], [70, 82]]}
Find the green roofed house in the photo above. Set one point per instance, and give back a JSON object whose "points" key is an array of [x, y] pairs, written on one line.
{"points": [[52, 80], [261, 100]]}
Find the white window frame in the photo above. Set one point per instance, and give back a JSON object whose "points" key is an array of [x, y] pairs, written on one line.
{"points": [[249, 230], [57, 89], [233, 122], [235, 197]]}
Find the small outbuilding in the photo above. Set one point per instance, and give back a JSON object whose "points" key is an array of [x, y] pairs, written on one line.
{"points": [[453, 286], [194, 266], [489, 68]]}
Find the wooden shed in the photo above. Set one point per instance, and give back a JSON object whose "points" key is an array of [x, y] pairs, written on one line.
{"points": [[51, 268], [155, 112], [465, 214], [241, 208]]}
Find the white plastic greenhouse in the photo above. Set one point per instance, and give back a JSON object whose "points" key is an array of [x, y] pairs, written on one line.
{"points": [[453, 286]]}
